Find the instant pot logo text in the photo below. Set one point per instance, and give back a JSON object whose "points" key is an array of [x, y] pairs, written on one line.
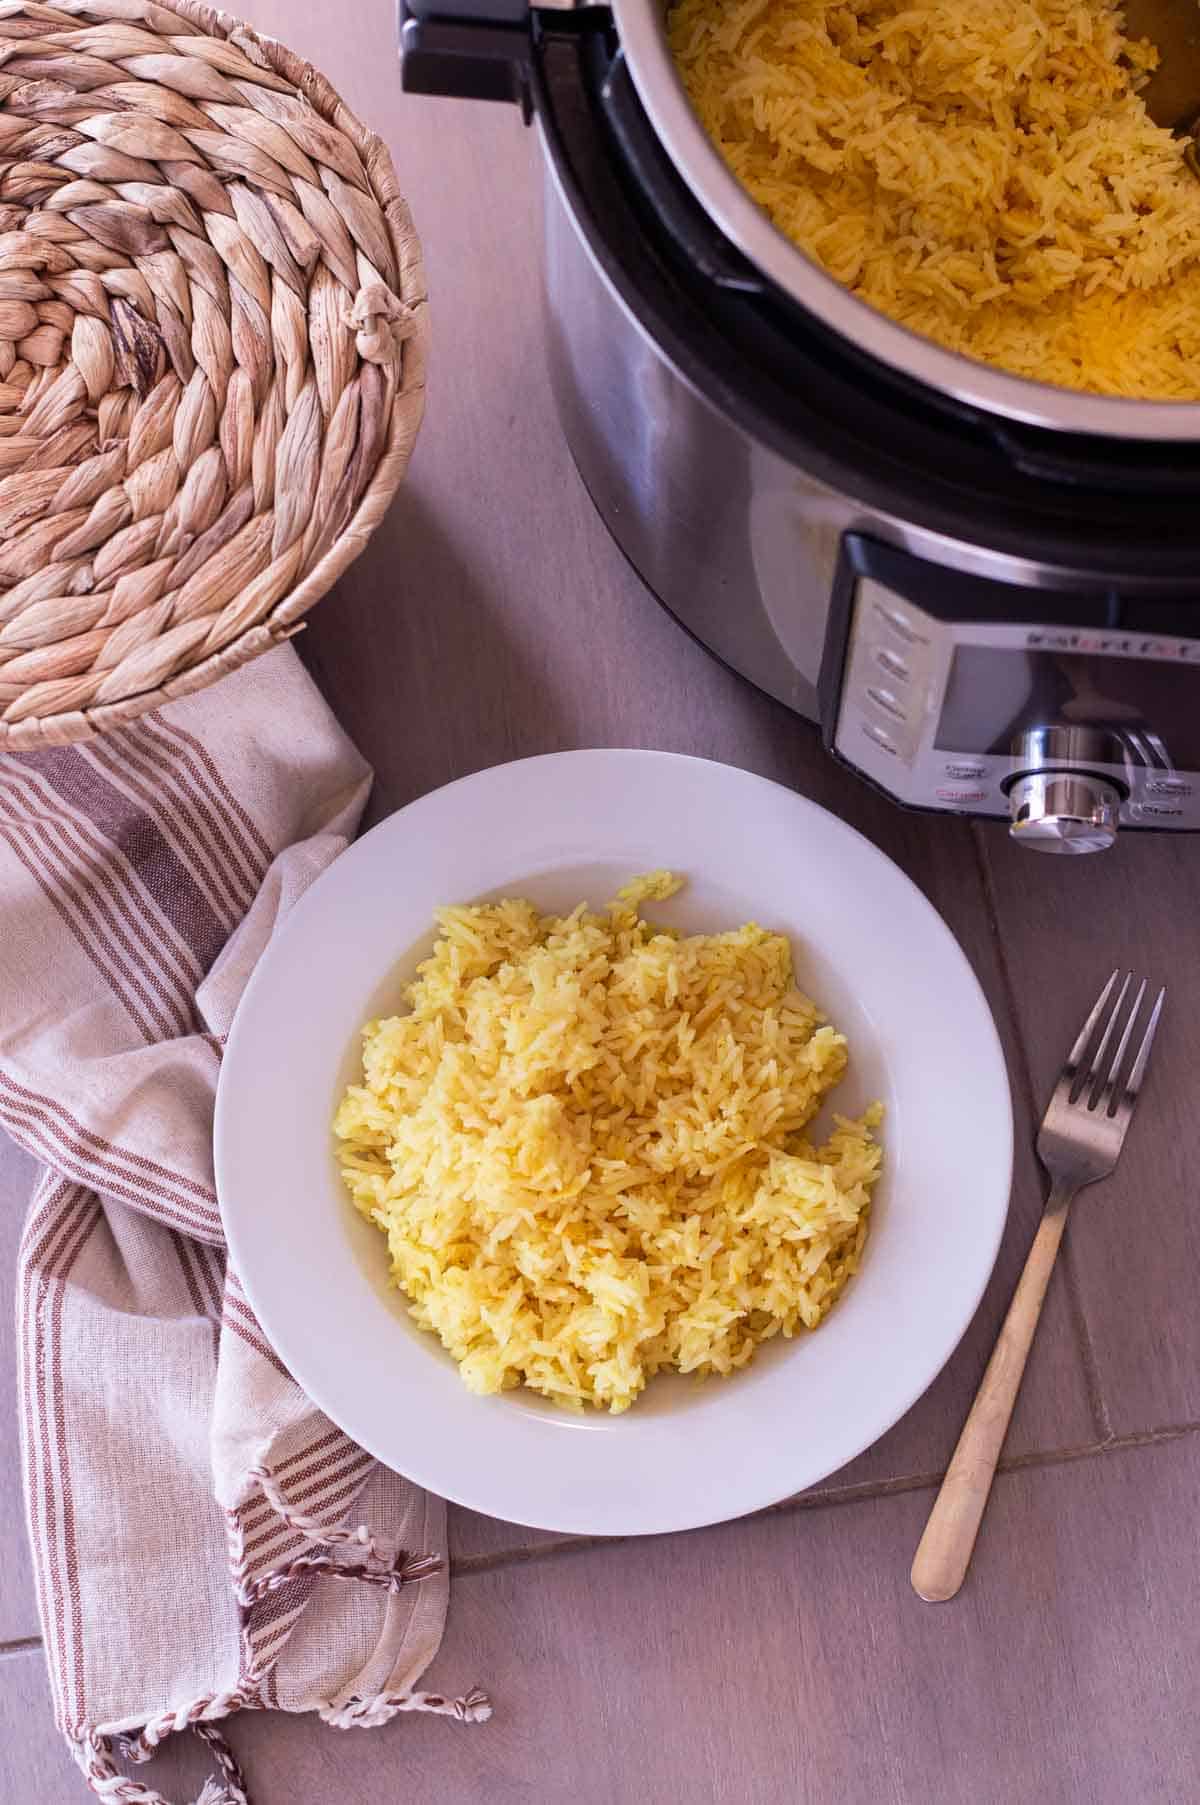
{"points": [[1113, 645]]}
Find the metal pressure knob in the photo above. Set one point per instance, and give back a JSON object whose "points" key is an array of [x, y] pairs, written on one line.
{"points": [[1056, 802]]}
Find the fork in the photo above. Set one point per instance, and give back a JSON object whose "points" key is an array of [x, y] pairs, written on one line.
{"points": [[1080, 1141]]}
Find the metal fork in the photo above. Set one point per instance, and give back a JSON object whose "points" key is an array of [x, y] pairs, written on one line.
{"points": [[1080, 1142]]}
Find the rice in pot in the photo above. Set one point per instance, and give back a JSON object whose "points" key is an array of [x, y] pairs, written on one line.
{"points": [[984, 171], [585, 1144]]}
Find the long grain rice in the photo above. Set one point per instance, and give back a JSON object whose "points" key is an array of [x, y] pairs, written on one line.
{"points": [[984, 171], [585, 1144]]}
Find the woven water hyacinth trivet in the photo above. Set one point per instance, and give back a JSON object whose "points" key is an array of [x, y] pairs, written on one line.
{"points": [[212, 337]]}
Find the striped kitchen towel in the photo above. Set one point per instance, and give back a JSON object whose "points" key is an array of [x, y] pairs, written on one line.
{"points": [[189, 1509]]}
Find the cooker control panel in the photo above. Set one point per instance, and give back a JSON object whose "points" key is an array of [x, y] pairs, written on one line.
{"points": [[1068, 731]]}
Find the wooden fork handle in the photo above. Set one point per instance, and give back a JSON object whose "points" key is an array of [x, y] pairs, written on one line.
{"points": [[945, 1549]]}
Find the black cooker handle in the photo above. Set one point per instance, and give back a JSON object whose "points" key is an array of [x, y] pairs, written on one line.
{"points": [[466, 12], [466, 49], [479, 49]]}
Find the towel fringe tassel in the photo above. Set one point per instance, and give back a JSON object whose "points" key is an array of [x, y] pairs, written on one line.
{"points": [[475, 1707], [93, 1752], [94, 1756], [377, 1565]]}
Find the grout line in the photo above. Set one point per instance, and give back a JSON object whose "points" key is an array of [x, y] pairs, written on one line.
{"points": [[1083, 1334], [1033, 1461], [1146, 1438], [1087, 1346], [465, 1565], [865, 1491], [20, 1645]]}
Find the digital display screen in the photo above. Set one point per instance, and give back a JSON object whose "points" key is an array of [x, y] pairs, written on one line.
{"points": [[996, 692]]}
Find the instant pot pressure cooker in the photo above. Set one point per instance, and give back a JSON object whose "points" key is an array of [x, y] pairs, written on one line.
{"points": [[985, 589]]}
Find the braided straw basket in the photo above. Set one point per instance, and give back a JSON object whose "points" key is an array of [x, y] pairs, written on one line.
{"points": [[212, 336]]}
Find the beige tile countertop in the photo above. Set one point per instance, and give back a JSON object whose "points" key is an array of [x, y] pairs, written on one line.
{"points": [[782, 1660]]}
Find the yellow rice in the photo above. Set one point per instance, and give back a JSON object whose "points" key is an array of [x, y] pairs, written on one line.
{"points": [[585, 1145], [982, 170]]}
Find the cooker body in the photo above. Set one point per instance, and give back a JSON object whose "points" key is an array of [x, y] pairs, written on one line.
{"points": [[985, 616], [739, 544], [930, 659]]}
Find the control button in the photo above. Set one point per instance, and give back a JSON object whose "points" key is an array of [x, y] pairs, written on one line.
{"points": [[881, 738], [901, 624], [891, 704], [1159, 810], [961, 798], [963, 771], [892, 663]]}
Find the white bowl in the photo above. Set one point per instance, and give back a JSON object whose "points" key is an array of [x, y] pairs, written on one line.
{"points": [[868, 947]]}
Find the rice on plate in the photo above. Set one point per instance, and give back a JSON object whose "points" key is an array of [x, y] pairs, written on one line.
{"points": [[585, 1144], [984, 171]]}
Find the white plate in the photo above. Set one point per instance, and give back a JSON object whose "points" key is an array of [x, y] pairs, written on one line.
{"points": [[868, 946]]}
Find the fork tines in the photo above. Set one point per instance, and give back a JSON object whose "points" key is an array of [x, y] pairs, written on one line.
{"points": [[1099, 1083]]}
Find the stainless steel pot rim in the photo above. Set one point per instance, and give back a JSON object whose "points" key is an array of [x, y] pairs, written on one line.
{"points": [[974, 384]]}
